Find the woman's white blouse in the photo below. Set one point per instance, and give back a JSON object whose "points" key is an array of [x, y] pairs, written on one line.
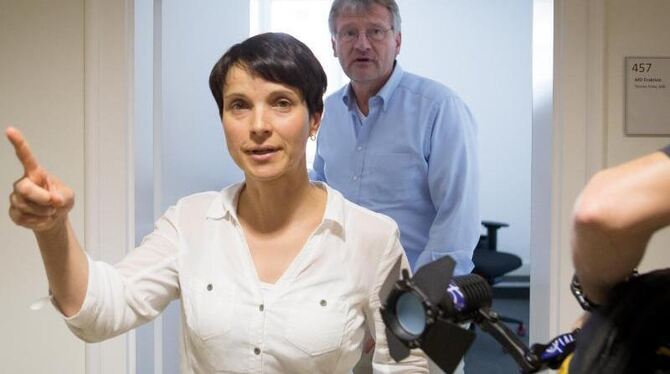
{"points": [[312, 320]]}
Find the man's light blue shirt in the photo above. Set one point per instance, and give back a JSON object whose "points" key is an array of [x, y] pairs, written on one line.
{"points": [[413, 158]]}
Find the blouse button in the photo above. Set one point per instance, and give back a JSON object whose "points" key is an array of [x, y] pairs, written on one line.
{"points": [[210, 287], [261, 307], [323, 302], [257, 350]]}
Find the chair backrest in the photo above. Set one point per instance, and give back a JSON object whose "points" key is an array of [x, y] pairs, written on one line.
{"points": [[489, 262], [483, 242]]}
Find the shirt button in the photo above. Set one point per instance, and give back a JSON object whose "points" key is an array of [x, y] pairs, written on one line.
{"points": [[355, 177], [359, 148], [323, 302], [257, 350], [261, 307], [210, 287]]}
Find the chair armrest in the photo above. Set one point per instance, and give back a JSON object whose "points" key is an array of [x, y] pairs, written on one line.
{"points": [[494, 224]]}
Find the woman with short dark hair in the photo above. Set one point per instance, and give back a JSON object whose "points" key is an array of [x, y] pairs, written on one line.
{"points": [[275, 274]]}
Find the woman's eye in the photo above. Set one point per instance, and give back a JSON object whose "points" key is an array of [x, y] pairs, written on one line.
{"points": [[283, 104], [238, 105]]}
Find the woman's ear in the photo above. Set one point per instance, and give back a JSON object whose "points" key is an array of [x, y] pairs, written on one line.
{"points": [[314, 124]]}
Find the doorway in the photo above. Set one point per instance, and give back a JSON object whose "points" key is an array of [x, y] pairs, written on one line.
{"points": [[180, 149]]}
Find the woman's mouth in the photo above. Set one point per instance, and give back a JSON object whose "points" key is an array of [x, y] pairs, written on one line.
{"points": [[262, 153]]}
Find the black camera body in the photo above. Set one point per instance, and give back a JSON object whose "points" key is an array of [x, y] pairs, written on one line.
{"points": [[630, 333]]}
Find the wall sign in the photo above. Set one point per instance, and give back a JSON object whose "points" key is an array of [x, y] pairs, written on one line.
{"points": [[647, 96]]}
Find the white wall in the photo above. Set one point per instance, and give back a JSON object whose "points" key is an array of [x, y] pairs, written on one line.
{"points": [[482, 50], [63, 81], [42, 93], [635, 28], [592, 39]]}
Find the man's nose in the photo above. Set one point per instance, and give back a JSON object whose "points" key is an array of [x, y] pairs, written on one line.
{"points": [[362, 42]]}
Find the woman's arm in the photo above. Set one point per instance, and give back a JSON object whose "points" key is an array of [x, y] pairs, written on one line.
{"points": [[100, 300], [614, 218], [41, 203]]}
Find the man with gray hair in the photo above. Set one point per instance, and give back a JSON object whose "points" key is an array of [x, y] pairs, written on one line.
{"points": [[397, 143]]}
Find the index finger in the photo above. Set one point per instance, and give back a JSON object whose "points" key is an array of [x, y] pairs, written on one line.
{"points": [[22, 149]]}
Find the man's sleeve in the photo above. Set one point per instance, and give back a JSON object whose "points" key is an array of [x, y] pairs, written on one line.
{"points": [[453, 180], [317, 172]]}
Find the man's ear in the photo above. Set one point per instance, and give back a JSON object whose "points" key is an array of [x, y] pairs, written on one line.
{"points": [[332, 43], [398, 42]]}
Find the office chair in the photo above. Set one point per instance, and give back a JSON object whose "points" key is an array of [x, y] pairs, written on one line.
{"points": [[491, 264]]}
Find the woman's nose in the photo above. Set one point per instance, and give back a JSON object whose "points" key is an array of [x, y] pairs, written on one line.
{"points": [[260, 125]]}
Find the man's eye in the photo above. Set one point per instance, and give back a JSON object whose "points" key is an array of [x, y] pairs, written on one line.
{"points": [[375, 32], [348, 34]]}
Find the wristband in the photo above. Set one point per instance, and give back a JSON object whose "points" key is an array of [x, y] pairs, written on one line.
{"points": [[578, 293]]}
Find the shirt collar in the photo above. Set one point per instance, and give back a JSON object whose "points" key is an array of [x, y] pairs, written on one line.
{"points": [[335, 205], [225, 204], [384, 93]]}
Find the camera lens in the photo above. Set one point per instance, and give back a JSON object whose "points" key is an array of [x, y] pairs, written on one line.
{"points": [[411, 314]]}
